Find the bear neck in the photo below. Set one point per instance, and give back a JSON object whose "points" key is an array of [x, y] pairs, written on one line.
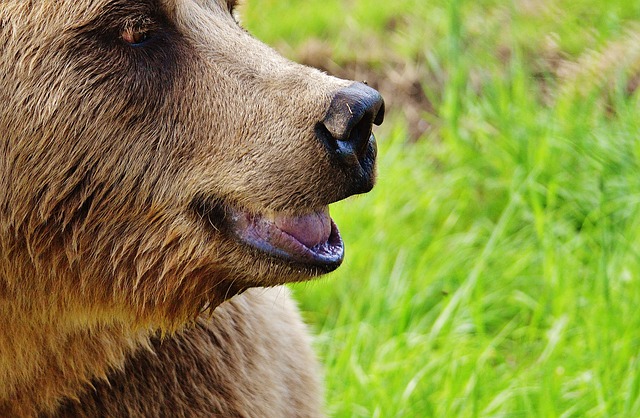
{"points": [[43, 361]]}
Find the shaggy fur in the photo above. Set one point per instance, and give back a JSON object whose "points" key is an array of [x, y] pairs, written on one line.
{"points": [[112, 158]]}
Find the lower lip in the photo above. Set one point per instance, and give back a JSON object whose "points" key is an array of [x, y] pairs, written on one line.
{"points": [[264, 236]]}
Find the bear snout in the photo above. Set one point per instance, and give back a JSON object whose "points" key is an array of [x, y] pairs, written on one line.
{"points": [[346, 132]]}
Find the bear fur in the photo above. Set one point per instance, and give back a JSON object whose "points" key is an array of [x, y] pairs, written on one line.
{"points": [[128, 129]]}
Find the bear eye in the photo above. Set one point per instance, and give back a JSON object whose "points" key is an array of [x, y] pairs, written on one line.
{"points": [[135, 36], [137, 31]]}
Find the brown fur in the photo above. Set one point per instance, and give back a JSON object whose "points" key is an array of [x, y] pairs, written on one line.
{"points": [[235, 345], [108, 153]]}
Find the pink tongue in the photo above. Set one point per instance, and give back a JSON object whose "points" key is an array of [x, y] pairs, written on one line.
{"points": [[311, 230]]}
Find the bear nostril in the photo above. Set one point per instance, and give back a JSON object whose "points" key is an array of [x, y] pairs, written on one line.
{"points": [[379, 116], [359, 137], [350, 118]]}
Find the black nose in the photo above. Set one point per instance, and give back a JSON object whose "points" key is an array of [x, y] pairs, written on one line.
{"points": [[349, 121]]}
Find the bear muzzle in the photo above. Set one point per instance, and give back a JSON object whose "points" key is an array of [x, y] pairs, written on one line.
{"points": [[300, 233]]}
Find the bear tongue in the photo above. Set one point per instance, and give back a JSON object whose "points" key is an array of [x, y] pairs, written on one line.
{"points": [[310, 230]]}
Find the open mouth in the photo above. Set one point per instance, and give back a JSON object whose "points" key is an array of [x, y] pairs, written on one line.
{"points": [[311, 239], [307, 240]]}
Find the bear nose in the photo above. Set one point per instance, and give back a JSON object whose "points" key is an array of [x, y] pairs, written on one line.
{"points": [[349, 121]]}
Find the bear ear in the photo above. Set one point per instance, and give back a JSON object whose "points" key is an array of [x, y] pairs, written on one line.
{"points": [[231, 5]]}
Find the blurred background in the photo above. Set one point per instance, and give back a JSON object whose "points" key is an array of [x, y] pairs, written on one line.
{"points": [[494, 271]]}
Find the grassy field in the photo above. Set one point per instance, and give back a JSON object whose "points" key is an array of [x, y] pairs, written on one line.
{"points": [[495, 269]]}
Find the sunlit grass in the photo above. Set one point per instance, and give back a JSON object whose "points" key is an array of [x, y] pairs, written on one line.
{"points": [[495, 268]]}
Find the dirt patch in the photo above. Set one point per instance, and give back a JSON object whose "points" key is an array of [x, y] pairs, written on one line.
{"points": [[403, 82]]}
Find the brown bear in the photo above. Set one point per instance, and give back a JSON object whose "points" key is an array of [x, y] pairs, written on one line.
{"points": [[161, 173]]}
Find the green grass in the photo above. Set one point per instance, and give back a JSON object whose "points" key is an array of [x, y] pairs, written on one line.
{"points": [[495, 269]]}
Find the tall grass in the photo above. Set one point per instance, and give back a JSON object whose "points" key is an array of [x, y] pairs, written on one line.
{"points": [[495, 268]]}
